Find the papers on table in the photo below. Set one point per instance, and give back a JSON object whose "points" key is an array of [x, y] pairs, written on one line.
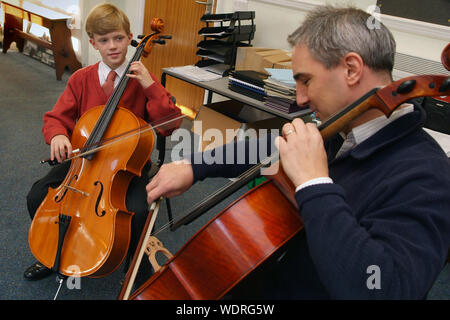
{"points": [[195, 73]]}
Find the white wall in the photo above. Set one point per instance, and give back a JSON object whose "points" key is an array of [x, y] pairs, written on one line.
{"points": [[276, 19]]}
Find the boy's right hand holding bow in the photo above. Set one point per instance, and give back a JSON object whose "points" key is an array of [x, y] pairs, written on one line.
{"points": [[60, 148]]}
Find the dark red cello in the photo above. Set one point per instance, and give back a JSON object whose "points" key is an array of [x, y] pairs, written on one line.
{"points": [[255, 226], [82, 228]]}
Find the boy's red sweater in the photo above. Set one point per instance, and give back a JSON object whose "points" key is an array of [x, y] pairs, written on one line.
{"points": [[84, 92]]}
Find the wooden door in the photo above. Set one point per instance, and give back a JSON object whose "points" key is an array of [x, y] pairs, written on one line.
{"points": [[182, 22]]}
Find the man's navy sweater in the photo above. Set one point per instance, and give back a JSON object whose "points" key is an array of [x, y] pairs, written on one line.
{"points": [[381, 230]]}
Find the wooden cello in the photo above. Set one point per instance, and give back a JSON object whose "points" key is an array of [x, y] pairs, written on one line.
{"points": [[250, 230], [82, 228]]}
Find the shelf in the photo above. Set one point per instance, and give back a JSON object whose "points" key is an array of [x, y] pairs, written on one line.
{"points": [[239, 15], [227, 31], [221, 42]]}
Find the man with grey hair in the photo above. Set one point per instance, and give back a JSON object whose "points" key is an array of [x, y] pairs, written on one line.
{"points": [[373, 198]]}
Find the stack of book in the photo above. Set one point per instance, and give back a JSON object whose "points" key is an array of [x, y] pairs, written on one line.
{"points": [[280, 91], [277, 90], [249, 83]]}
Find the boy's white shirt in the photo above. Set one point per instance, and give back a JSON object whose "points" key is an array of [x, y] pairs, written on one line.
{"points": [[103, 71]]}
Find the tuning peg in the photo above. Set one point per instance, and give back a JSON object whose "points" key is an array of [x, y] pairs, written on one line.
{"points": [[406, 86], [159, 41], [165, 37], [445, 86], [134, 43], [141, 36]]}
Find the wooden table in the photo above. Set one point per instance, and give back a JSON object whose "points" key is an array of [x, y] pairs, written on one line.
{"points": [[60, 35]]}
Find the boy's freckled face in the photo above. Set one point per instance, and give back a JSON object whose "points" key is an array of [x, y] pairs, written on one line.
{"points": [[112, 47]]}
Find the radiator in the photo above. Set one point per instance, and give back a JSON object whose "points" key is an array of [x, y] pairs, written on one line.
{"points": [[406, 65]]}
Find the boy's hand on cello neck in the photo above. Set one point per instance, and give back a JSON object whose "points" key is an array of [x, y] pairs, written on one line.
{"points": [[60, 148], [141, 74]]}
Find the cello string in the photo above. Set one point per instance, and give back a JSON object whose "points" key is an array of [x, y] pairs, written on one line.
{"points": [[64, 203]]}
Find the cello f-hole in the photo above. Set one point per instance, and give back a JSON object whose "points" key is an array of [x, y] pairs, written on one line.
{"points": [[65, 189], [98, 199]]}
